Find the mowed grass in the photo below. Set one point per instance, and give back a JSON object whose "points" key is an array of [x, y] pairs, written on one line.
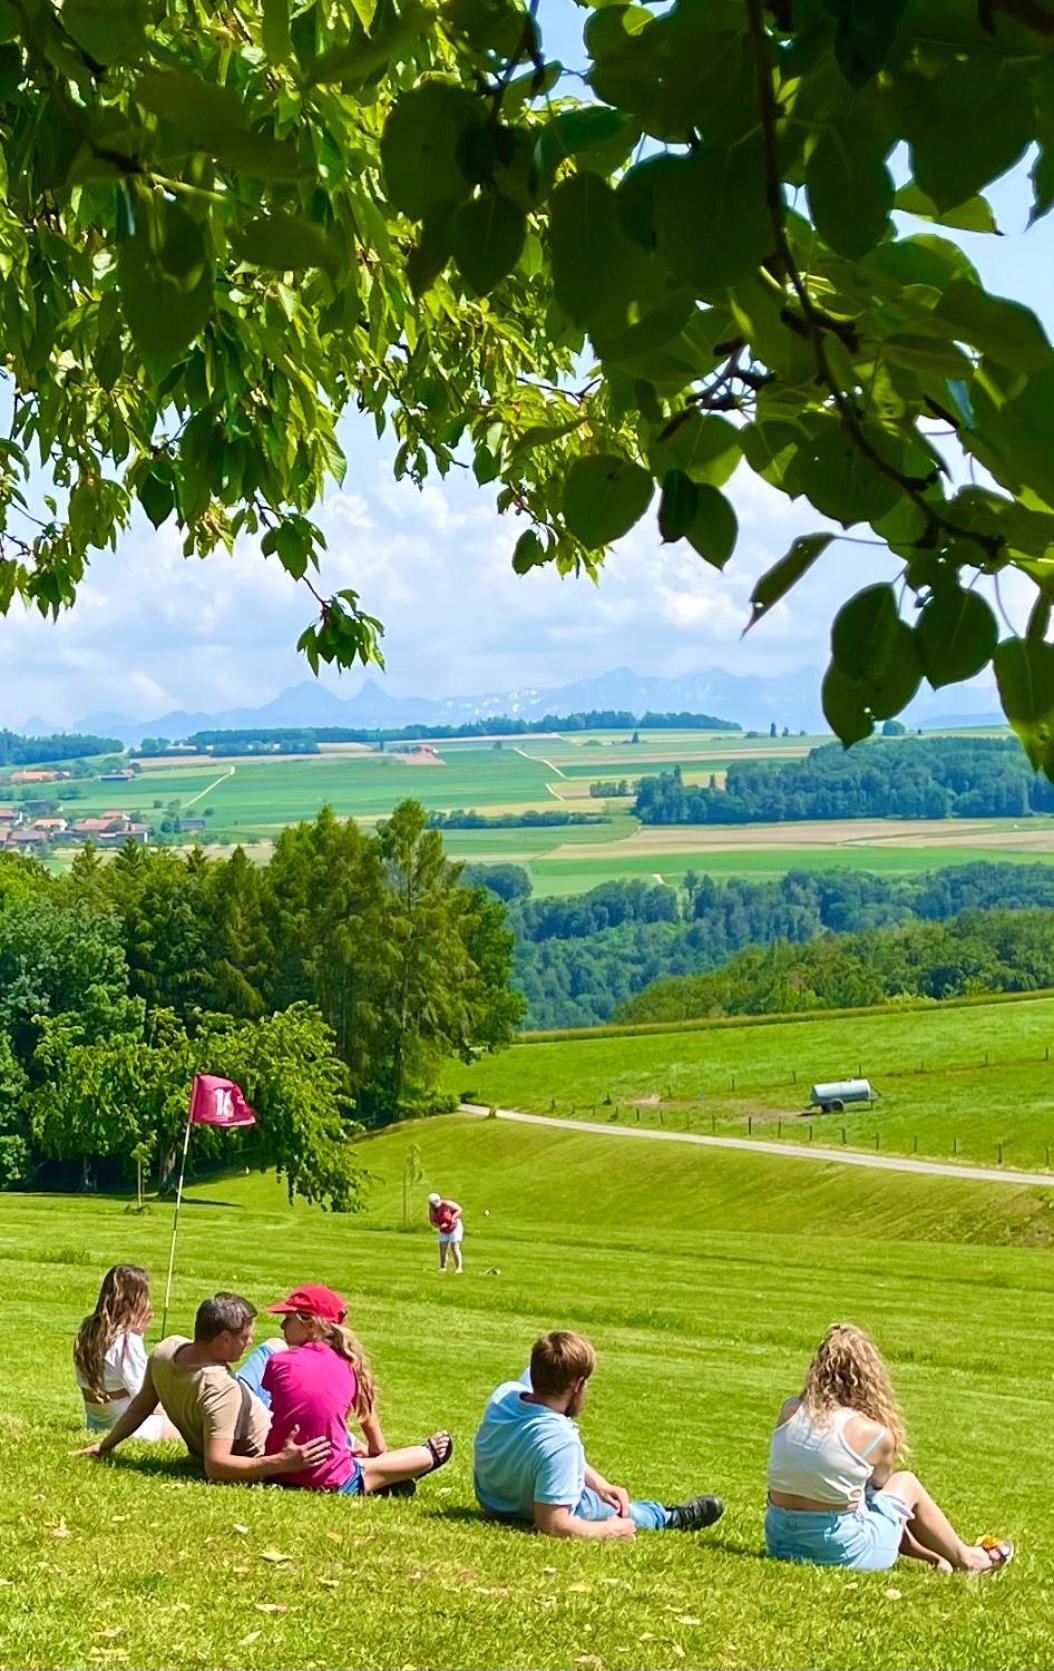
{"points": [[970, 1083], [703, 1278]]}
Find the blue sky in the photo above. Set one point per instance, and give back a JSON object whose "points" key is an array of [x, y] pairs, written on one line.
{"points": [[152, 631]]}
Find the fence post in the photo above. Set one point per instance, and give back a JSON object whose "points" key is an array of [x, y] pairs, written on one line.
{"points": [[750, 1124], [915, 1144], [1046, 1054], [986, 1058], [844, 1139], [877, 1141], [810, 1134], [999, 1154], [1046, 1155], [779, 1128], [662, 1121], [955, 1146], [713, 1122], [637, 1113], [733, 1082], [688, 1120]]}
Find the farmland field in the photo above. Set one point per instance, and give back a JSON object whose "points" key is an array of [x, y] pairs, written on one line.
{"points": [[971, 1082], [703, 1278]]}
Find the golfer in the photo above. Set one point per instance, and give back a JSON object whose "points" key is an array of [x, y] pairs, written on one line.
{"points": [[445, 1216]]}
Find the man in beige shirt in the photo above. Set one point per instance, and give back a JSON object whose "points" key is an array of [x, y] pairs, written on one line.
{"points": [[222, 1423]]}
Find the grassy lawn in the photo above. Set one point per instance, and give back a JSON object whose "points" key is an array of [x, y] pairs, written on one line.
{"points": [[938, 1098], [704, 1279]]}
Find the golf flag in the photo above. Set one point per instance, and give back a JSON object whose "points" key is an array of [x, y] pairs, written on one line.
{"points": [[218, 1102]]}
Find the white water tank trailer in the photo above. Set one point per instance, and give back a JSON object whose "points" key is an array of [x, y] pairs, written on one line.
{"points": [[832, 1098]]}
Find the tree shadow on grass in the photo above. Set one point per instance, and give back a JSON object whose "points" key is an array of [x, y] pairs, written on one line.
{"points": [[464, 1515]]}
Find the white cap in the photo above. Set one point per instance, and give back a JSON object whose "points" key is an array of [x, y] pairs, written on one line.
{"points": [[433, 1199]]}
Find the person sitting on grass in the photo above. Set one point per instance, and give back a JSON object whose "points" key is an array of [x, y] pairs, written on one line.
{"points": [[530, 1464], [321, 1379], [836, 1495], [109, 1358], [220, 1421]]}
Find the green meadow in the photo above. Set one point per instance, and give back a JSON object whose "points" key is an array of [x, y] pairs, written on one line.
{"points": [[704, 1279], [971, 1083]]}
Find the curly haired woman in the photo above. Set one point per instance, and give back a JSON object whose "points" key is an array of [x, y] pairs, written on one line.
{"points": [[836, 1494]]}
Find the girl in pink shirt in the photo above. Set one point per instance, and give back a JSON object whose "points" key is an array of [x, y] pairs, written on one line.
{"points": [[322, 1379]]}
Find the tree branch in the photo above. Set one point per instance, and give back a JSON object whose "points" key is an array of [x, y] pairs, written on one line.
{"points": [[815, 322]]}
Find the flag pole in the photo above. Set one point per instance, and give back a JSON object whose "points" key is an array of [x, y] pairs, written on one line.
{"points": [[175, 1216]]}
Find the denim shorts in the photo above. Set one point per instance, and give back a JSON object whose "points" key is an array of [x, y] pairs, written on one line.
{"points": [[868, 1540], [353, 1486]]}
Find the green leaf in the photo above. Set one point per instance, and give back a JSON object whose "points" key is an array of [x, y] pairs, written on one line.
{"points": [[957, 635], [975, 215], [164, 316], [575, 130], [864, 632], [421, 146], [485, 465], [967, 126], [365, 11], [285, 242], [839, 479], [157, 493], [844, 707], [529, 552], [199, 106], [678, 505], [864, 34], [1007, 331], [110, 31], [891, 689], [361, 59], [706, 447], [711, 220], [927, 354], [597, 270], [277, 42], [714, 527], [1029, 431], [604, 495], [850, 190], [431, 252], [777, 581], [486, 239], [1024, 670]]}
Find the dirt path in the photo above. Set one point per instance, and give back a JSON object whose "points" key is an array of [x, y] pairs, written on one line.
{"points": [[208, 788], [793, 1151]]}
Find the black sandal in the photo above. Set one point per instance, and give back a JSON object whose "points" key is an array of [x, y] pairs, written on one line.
{"points": [[439, 1460]]}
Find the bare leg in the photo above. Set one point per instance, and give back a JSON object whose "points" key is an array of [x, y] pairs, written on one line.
{"points": [[914, 1550], [932, 1529], [409, 1463], [457, 1257], [442, 1255]]}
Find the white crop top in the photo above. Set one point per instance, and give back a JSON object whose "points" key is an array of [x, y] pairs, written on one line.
{"points": [[818, 1462]]}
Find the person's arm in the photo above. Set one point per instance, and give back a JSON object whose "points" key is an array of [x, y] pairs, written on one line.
{"points": [[556, 1520], [615, 1495], [455, 1211], [142, 1405], [373, 1434], [223, 1467], [874, 1443]]}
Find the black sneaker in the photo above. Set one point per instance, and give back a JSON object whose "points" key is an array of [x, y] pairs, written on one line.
{"points": [[401, 1488], [695, 1514]]}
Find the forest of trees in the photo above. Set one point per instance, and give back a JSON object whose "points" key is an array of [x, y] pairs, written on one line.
{"points": [[41, 751], [936, 777], [331, 982], [967, 955], [497, 725], [549, 818], [579, 959]]}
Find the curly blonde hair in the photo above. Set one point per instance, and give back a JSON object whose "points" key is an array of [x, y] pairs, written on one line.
{"points": [[848, 1372]]}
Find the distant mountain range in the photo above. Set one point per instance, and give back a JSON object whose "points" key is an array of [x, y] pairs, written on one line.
{"points": [[791, 700]]}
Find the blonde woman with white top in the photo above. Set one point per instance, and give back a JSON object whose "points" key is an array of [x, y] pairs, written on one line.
{"points": [[109, 1358], [836, 1495]]}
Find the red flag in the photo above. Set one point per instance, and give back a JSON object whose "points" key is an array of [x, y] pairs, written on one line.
{"points": [[218, 1102]]}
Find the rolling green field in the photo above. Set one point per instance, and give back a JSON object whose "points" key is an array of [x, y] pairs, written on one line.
{"points": [[251, 800], [938, 1098], [704, 1280]]}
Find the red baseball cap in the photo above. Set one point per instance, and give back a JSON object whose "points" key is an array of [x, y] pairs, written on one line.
{"points": [[316, 1300]]}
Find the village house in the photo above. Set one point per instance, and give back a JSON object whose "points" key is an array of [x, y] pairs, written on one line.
{"points": [[9, 816]]}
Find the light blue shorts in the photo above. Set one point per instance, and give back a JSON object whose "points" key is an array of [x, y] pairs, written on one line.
{"points": [[868, 1540]]}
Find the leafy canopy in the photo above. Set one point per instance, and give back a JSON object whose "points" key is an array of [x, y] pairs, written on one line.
{"points": [[221, 226]]}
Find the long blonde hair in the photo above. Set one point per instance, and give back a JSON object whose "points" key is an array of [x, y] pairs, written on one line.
{"points": [[848, 1372], [123, 1307], [350, 1348]]}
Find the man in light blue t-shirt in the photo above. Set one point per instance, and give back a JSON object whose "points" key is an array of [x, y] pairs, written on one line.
{"points": [[530, 1464]]}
